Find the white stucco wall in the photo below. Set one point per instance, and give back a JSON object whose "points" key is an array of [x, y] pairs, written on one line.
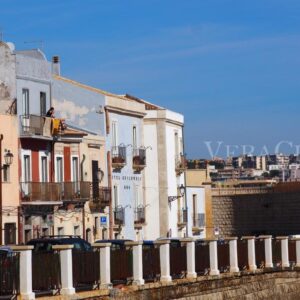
{"points": [[200, 194], [126, 179]]}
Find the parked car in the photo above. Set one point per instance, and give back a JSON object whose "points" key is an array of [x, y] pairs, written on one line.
{"points": [[45, 243]]}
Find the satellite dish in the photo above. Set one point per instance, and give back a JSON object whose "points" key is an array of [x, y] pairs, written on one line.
{"points": [[11, 46]]}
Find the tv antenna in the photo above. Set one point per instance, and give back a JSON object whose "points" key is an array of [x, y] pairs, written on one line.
{"points": [[40, 43]]}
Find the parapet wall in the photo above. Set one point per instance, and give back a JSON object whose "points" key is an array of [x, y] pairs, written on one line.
{"points": [[272, 211]]}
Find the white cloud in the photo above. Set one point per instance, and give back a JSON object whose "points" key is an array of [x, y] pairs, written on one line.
{"points": [[70, 111]]}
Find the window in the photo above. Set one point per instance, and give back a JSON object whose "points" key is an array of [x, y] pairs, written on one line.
{"points": [[116, 196], [44, 169], [137, 197], [10, 233], [114, 139], [27, 173], [134, 142], [43, 103], [6, 173], [25, 100], [75, 173], [59, 169]]}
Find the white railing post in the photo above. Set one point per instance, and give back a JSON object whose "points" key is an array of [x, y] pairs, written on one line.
{"points": [[213, 258], [66, 268], [25, 271], [105, 281], [164, 254], [233, 257], [137, 252], [190, 257], [297, 241], [268, 250], [284, 240], [251, 252]]}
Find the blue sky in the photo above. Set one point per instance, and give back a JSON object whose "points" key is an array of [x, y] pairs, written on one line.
{"points": [[231, 67]]}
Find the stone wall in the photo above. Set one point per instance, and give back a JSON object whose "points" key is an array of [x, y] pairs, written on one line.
{"points": [[276, 212], [278, 285]]}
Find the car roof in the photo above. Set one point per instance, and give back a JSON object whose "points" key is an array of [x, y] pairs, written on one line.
{"points": [[115, 242]]}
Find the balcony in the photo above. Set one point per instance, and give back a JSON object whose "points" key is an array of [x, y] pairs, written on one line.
{"points": [[180, 164], [139, 159], [33, 125], [79, 191], [118, 157], [198, 222], [182, 218], [139, 216], [41, 192], [101, 197], [119, 216], [55, 192]]}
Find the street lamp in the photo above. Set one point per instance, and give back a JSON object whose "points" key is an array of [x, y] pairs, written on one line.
{"points": [[182, 193], [8, 158]]}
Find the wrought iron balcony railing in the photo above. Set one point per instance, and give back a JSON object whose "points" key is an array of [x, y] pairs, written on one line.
{"points": [[180, 164], [40, 191], [54, 191], [139, 215], [139, 159], [119, 216], [42, 126], [118, 157], [76, 191], [101, 195]]}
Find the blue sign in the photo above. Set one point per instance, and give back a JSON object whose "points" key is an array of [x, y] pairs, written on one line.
{"points": [[103, 220]]}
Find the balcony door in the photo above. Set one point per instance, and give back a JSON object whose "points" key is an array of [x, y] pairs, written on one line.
{"points": [[43, 104], [25, 110], [95, 179], [26, 173], [75, 175]]}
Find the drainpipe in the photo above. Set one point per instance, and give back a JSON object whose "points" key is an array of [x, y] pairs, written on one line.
{"points": [[110, 186], [1, 227], [185, 198], [83, 212]]}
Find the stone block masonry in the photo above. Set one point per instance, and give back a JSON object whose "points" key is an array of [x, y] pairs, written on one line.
{"points": [[275, 212]]}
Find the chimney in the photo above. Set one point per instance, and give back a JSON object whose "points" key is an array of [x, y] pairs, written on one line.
{"points": [[55, 65]]}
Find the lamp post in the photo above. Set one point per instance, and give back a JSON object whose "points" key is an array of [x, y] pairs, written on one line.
{"points": [[8, 158], [183, 194]]}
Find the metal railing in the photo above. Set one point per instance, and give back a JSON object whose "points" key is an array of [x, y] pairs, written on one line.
{"points": [[139, 215], [199, 220], [178, 264], [101, 195], [121, 265], [86, 268], [260, 253], [118, 156], [182, 216], [139, 157], [242, 252], [223, 256], [54, 191], [202, 265], [39, 125], [40, 191], [9, 274], [276, 252], [119, 215], [76, 190], [151, 263], [46, 274]]}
